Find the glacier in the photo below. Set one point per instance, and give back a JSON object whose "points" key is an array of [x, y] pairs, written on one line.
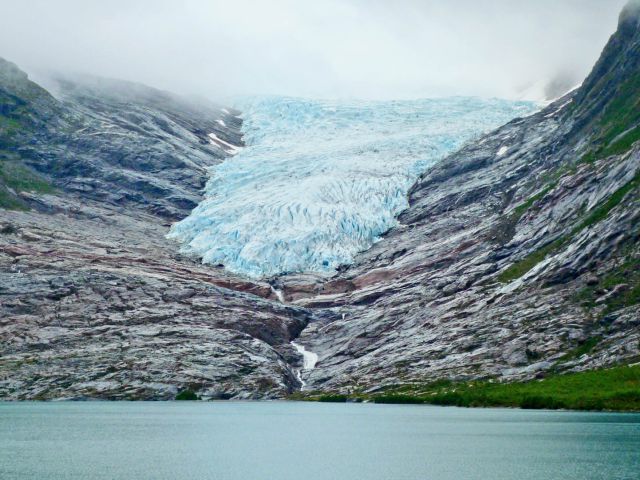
{"points": [[320, 181]]}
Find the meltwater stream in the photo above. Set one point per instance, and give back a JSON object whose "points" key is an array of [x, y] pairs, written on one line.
{"points": [[309, 360], [320, 181]]}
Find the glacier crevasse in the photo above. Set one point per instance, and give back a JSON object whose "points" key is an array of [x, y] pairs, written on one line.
{"points": [[320, 181]]}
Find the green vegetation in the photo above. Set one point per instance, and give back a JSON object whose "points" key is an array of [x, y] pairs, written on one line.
{"points": [[506, 229], [187, 395], [619, 127], [13, 121], [585, 348], [522, 208], [8, 124], [625, 277], [615, 388], [25, 105], [603, 210], [518, 269], [624, 144], [8, 201], [15, 177], [396, 398], [14, 124], [23, 179], [521, 267], [333, 398]]}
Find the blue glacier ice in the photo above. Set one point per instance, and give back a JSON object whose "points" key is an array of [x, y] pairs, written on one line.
{"points": [[320, 181]]}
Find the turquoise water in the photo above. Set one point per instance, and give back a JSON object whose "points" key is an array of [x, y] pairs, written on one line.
{"points": [[320, 180], [303, 441]]}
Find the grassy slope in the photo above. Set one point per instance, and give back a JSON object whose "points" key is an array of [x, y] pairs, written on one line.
{"points": [[626, 274], [619, 126], [15, 178], [521, 267], [20, 101], [611, 389]]}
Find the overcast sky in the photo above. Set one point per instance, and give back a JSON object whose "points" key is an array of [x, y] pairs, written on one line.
{"points": [[327, 48]]}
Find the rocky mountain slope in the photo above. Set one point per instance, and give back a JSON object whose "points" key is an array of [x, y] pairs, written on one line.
{"points": [[519, 255], [94, 301]]}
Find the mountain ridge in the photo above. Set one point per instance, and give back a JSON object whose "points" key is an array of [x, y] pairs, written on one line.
{"points": [[94, 301]]}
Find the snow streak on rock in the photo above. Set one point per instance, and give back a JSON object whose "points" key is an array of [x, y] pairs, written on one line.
{"points": [[320, 180]]}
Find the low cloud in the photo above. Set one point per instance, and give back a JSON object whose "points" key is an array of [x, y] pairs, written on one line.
{"points": [[349, 48]]}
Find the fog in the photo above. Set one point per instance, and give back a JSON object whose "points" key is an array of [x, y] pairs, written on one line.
{"points": [[329, 48]]}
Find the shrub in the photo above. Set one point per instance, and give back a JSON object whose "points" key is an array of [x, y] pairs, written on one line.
{"points": [[537, 402], [334, 398], [397, 398], [187, 395]]}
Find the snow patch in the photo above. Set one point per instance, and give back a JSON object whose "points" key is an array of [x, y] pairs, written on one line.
{"points": [[227, 147], [502, 151]]}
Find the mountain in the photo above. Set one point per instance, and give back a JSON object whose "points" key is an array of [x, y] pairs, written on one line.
{"points": [[94, 301], [518, 256], [116, 142], [516, 252]]}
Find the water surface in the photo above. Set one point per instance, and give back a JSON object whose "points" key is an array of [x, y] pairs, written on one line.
{"points": [[288, 440]]}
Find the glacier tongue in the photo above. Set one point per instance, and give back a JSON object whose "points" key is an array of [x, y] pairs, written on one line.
{"points": [[320, 181]]}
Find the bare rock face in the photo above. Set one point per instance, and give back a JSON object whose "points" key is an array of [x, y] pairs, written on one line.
{"points": [[451, 305], [109, 311]]}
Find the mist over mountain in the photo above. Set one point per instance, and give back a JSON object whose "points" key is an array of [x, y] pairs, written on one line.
{"points": [[429, 202], [353, 48]]}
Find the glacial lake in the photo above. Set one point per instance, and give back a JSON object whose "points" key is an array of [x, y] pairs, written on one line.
{"points": [[307, 441]]}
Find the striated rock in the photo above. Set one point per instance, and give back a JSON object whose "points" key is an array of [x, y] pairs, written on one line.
{"points": [[129, 319]]}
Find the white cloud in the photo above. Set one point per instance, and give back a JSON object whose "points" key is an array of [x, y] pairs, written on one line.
{"points": [[356, 48]]}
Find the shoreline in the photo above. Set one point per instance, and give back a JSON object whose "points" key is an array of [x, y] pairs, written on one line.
{"points": [[615, 389]]}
